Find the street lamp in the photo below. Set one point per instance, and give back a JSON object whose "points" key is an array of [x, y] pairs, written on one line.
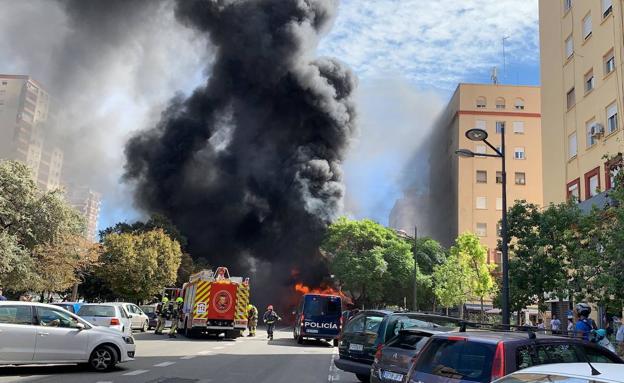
{"points": [[482, 135]]}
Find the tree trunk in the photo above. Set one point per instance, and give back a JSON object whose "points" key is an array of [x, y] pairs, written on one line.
{"points": [[74, 296], [482, 311], [461, 311], [447, 313]]}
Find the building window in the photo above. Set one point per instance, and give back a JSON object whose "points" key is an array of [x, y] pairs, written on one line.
{"points": [[571, 98], [520, 178], [589, 81], [499, 177], [518, 127], [569, 47], [567, 4], [481, 102], [500, 125], [4, 83], [587, 26], [591, 139], [519, 154], [480, 124], [519, 104], [480, 149], [500, 103], [607, 7], [612, 120], [481, 176], [592, 183], [572, 146], [499, 203], [609, 62], [481, 229], [481, 203], [573, 190]]}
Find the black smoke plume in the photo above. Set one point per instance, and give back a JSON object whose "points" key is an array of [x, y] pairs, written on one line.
{"points": [[249, 166]]}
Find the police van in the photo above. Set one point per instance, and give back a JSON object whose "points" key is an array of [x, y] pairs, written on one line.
{"points": [[318, 316]]}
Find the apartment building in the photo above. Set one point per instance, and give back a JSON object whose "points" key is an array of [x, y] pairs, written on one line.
{"points": [[466, 192], [88, 203], [581, 54]]}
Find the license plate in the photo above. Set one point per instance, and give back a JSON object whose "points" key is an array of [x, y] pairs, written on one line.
{"points": [[392, 376], [356, 347], [312, 331]]}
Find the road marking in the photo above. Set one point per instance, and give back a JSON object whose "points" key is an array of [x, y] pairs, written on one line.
{"points": [[204, 352], [164, 364], [188, 357], [229, 344], [218, 348], [137, 372], [108, 381]]}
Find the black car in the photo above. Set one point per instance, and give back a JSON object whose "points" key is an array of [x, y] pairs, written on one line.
{"points": [[369, 330], [484, 356], [394, 359]]}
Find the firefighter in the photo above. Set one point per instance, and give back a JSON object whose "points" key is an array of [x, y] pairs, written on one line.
{"points": [[270, 317], [252, 319], [161, 310], [176, 311]]}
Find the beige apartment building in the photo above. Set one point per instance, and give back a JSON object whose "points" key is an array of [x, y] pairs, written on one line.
{"points": [[467, 191], [88, 203], [581, 55]]}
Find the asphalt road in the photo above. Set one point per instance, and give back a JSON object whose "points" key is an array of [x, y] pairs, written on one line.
{"points": [[182, 360]]}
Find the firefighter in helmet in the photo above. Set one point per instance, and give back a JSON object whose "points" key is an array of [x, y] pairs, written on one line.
{"points": [[161, 312], [176, 311], [270, 317], [252, 319]]}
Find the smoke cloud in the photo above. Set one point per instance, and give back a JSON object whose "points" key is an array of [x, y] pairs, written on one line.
{"points": [[249, 166]]}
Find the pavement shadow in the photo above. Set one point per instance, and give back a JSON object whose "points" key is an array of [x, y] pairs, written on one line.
{"points": [[78, 369], [290, 342], [150, 336]]}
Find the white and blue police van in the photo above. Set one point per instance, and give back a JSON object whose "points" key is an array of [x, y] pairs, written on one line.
{"points": [[318, 316]]}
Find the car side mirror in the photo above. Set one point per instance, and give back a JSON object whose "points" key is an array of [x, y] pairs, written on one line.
{"points": [[80, 326]]}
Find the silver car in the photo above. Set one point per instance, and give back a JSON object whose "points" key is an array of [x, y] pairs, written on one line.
{"points": [[107, 315], [138, 319]]}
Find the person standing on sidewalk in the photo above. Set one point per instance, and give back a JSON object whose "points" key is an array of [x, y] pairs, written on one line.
{"points": [[270, 317]]}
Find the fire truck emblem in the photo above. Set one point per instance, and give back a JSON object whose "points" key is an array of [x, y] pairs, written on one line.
{"points": [[222, 301]]}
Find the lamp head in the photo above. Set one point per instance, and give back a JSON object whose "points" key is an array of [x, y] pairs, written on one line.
{"points": [[476, 134], [465, 153]]}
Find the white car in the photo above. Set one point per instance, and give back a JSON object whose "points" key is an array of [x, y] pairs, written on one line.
{"points": [[567, 373], [37, 333], [138, 319], [107, 315]]}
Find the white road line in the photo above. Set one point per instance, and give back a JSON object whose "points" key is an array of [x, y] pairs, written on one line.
{"points": [[137, 372], [204, 352], [108, 381], [188, 357], [218, 348], [164, 364]]}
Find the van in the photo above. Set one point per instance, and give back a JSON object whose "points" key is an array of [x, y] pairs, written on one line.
{"points": [[318, 316]]}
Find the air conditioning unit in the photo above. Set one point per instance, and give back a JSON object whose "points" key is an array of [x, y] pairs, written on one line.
{"points": [[596, 130]]}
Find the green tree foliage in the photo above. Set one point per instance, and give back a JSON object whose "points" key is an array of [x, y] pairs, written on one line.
{"points": [[138, 266], [373, 265], [429, 253]]}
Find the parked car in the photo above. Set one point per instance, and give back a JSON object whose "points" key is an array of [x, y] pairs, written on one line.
{"points": [[150, 311], [138, 319], [37, 333], [394, 359], [367, 331], [72, 307], [484, 356], [106, 315], [318, 316], [568, 373]]}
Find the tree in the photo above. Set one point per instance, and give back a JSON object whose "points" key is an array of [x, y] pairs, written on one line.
{"points": [[449, 284], [429, 253], [371, 262], [157, 221], [138, 266]]}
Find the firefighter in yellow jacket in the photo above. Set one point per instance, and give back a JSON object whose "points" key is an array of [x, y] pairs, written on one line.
{"points": [[252, 319]]}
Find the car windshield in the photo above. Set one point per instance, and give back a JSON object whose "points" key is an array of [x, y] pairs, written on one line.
{"points": [[148, 309], [319, 305], [457, 359], [368, 324], [97, 311]]}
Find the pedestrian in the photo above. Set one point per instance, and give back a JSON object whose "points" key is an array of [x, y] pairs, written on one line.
{"points": [[570, 325], [176, 311], [161, 311], [25, 297], [2, 297], [583, 326], [252, 319], [619, 339], [555, 324], [270, 317], [540, 325]]}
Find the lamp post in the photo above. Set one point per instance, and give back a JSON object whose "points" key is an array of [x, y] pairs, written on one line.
{"points": [[482, 135]]}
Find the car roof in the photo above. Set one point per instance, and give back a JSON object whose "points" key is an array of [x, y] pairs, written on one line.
{"points": [[22, 303], [609, 372], [101, 304], [505, 336]]}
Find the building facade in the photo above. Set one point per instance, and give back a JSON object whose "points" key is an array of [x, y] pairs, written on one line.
{"points": [[467, 192], [581, 54], [88, 203]]}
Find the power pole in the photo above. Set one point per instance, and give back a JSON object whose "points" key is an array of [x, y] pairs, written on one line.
{"points": [[415, 303]]}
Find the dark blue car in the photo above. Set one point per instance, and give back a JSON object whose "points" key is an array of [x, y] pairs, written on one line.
{"points": [[318, 316]]}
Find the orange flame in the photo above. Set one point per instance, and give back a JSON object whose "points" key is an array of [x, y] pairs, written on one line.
{"points": [[324, 290]]}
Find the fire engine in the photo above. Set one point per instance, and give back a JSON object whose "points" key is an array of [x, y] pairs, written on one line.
{"points": [[215, 303]]}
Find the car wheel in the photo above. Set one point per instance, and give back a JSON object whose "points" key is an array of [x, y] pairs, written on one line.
{"points": [[363, 378], [145, 326], [187, 331], [300, 339], [103, 358], [335, 342]]}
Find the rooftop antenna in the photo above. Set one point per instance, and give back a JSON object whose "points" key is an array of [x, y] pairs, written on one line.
{"points": [[494, 75], [504, 57]]}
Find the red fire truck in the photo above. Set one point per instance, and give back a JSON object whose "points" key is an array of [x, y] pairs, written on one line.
{"points": [[215, 303]]}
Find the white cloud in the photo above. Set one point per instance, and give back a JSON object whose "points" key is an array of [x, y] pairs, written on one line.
{"points": [[433, 43]]}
